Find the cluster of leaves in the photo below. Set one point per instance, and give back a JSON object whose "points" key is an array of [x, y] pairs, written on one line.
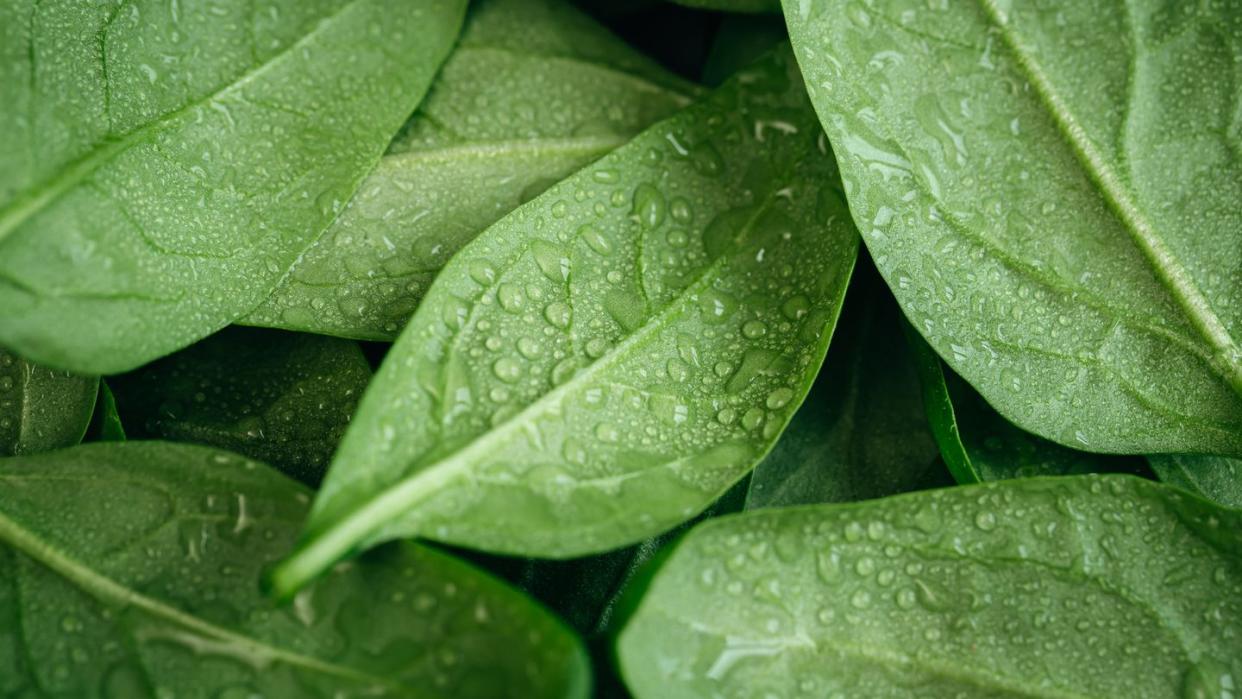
{"points": [[455, 349]]}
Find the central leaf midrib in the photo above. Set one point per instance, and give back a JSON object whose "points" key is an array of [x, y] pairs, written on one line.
{"points": [[106, 589], [43, 195], [365, 520], [1168, 269]]}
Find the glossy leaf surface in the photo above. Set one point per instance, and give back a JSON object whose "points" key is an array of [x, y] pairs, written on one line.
{"points": [[41, 409], [862, 432], [607, 360], [1052, 194], [283, 398], [1085, 586], [978, 444], [165, 164], [532, 92], [132, 570], [1213, 477]]}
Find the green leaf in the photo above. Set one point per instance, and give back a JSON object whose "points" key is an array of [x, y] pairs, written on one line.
{"points": [[165, 166], [1053, 197], [283, 398], [42, 409], [106, 424], [162, 596], [603, 363], [978, 444], [1085, 586], [512, 112], [1212, 477], [862, 432]]}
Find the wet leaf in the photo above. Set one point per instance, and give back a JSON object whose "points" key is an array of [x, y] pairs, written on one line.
{"points": [[42, 409], [1052, 194], [533, 91], [132, 570], [995, 590], [1213, 477], [283, 398], [165, 164], [603, 363]]}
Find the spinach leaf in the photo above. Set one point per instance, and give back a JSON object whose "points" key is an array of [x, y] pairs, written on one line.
{"points": [[1052, 194], [283, 398], [106, 424], [1084, 586], [1213, 477], [862, 432], [603, 363], [42, 409], [978, 444], [165, 165], [132, 570], [510, 113]]}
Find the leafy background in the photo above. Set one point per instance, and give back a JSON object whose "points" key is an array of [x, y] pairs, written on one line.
{"points": [[547, 286]]}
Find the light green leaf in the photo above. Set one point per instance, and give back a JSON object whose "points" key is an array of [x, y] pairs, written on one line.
{"points": [[1053, 197], [42, 409], [165, 164], [977, 444], [162, 597], [1085, 586], [604, 362], [862, 432], [283, 398], [533, 91], [1213, 477]]}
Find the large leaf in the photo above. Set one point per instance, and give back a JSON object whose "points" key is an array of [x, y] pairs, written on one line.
{"points": [[1052, 194], [166, 163], [862, 432], [978, 444], [533, 91], [1085, 586], [283, 398], [132, 570], [42, 409], [604, 362], [1213, 477]]}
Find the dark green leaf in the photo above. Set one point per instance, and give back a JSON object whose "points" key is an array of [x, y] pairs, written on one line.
{"points": [[131, 570], [283, 398], [978, 444], [740, 41], [534, 91], [603, 363], [1213, 477], [1052, 194], [734, 5], [1084, 586], [42, 409], [862, 432], [165, 164], [106, 424]]}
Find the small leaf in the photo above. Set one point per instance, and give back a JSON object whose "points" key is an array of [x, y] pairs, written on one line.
{"points": [[106, 424], [533, 91], [995, 590], [740, 41], [978, 444], [1213, 477], [861, 433], [164, 166], [734, 5], [1052, 195], [283, 398], [131, 567], [42, 409], [603, 363]]}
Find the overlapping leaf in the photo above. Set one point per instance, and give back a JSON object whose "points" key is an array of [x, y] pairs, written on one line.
{"points": [[42, 409]]}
